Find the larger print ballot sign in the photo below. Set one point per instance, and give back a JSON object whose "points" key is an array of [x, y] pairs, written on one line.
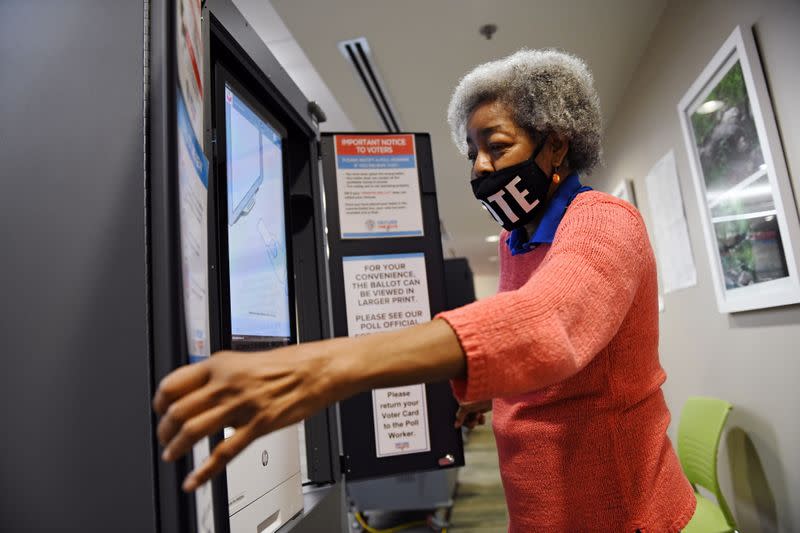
{"points": [[378, 186], [385, 293]]}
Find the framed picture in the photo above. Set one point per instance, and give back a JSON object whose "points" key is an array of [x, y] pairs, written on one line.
{"points": [[624, 190], [744, 195]]}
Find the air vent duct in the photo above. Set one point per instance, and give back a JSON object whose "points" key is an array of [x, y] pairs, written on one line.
{"points": [[357, 52]]}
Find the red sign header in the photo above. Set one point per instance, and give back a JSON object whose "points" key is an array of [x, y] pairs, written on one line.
{"points": [[375, 144]]}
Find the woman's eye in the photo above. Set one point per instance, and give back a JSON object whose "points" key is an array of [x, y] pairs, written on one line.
{"points": [[497, 147], [471, 157]]}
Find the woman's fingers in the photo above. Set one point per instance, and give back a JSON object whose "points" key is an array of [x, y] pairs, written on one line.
{"points": [[220, 456], [471, 413], [252, 392], [475, 419], [194, 429], [461, 415], [179, 383], [185, 408]]}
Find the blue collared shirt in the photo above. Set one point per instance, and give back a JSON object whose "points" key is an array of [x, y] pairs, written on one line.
{"points": [[554, 212]]}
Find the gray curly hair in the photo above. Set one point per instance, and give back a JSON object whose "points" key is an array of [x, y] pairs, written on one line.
{"points": [[546, 91]]}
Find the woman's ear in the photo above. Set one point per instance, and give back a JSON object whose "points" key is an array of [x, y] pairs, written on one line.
{"points": [[559, 146]]}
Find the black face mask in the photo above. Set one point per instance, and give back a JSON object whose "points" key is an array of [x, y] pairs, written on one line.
{"points": [[514, 194]]}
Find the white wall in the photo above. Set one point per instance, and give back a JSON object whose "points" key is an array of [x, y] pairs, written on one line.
{"points": [[485, 285], [751, 359], [266, 22]]}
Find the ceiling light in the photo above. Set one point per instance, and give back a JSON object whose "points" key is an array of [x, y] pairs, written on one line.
{"points": [[493, 238], [710, 107]]}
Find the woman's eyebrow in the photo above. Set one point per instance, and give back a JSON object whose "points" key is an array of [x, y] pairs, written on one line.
{"points": [[488, 130]]}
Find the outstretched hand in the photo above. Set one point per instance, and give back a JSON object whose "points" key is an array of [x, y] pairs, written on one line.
{"points": [[260, 392], [255, 393]]}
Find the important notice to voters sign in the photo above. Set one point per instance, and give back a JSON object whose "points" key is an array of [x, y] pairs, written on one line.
{"points": [[378, 186], [385, 293]]}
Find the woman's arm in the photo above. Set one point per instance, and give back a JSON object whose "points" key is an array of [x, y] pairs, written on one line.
{"points": [[566, 313], [264, 391]]}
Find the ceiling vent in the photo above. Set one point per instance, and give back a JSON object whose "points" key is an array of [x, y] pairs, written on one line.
{"points": [[357, 52]]}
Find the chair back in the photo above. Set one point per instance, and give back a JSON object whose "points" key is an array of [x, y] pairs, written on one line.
{"points": [[699, 433]]}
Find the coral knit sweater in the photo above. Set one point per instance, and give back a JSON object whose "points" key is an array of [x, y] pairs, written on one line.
{"points": [[568, 350]]}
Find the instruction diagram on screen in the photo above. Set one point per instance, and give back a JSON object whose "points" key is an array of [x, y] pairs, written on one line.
{"points": [[256, 224]]}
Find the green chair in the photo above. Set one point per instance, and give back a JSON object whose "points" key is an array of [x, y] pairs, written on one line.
{"points": [[699, 432]]}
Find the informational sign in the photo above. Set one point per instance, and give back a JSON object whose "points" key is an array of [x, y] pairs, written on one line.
{"points": [[378, 186], [190, 61], [385, 293], [193, 195], [401, 420], [671, 232], [193, 198], [203, 496]]}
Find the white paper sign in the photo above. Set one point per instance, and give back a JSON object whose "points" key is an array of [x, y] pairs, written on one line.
{"points": [[401, 420], [670, 231], [193, 192], [190, 61], [204, 499], [385, 293], [378, 186]]}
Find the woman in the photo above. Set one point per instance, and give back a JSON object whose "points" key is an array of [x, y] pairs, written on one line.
{"points": [[567, 350]]}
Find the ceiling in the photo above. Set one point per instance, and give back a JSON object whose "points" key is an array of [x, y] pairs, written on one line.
{"points": [[423, 47]]}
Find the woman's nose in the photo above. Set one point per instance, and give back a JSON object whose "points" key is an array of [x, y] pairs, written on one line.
{"points": [[483, 165]]}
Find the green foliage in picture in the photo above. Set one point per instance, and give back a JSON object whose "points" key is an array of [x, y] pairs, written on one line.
{"points": [[735, 252], [750, 251], [727, 140], [730, 90]]}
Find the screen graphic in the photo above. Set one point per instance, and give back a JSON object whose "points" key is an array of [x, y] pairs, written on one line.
{"points": [[259, 290]]}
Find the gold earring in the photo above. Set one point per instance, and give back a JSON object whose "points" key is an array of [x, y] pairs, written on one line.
{"points": [[556, 176]]}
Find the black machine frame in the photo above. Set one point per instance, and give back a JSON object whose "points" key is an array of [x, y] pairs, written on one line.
{"points": [[218, 222], [360, 460], [175, 509], [229, 41]]}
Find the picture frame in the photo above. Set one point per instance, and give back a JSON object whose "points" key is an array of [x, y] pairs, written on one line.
{"points": [[750, 222], [624, 191]]}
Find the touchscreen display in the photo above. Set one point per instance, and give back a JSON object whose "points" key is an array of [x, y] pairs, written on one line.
{"points": [[259, 291]]}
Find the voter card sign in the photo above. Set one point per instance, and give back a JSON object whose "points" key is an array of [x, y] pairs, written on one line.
{"points": [[377, 182], [401, 420], [385, 293]]}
